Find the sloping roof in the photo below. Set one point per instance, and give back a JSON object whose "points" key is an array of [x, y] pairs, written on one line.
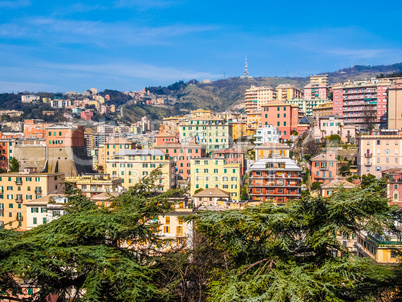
{"points": [[117, 141], [272, 145], [280, 103], [324, 157], [44, 200], [305, 120], [338, 182], [140, 152], [212, 192], [105, 196], [290, 165]]}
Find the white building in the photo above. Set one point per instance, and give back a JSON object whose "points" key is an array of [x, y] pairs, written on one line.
{"points": [[29, 98], [266, 134], [45, 209]]}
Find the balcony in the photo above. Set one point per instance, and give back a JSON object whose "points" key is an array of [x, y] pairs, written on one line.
{"points": [[1, 209], [19, 200], [20, 218], [368, 155], [368, 164], [18, 182], [38, 190]]}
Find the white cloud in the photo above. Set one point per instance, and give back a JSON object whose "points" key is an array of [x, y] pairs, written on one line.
{"points": [[145, 4], [51, 30]]}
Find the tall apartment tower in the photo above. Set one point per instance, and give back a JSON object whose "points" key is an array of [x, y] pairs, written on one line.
{"points": [[317, 88], [257, 96], [395, 105], [287, 92], [362, 102]]}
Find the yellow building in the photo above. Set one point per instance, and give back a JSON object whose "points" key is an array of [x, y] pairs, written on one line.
{"points": [[133, 165], [95, 184], [239, 129], [200, 113], [112, 147], [254, 119], [323, 109], [271, 149], [382, 249], [215, 172], [288, 92], [16, 189]]}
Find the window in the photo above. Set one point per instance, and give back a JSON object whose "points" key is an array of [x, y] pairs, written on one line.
{"points": [[35, 220]]}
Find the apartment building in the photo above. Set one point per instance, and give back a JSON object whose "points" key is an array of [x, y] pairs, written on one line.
{"points": [[334, 124], [112, 147], [133, 165], [181, 155], [257, 96], [329, 188], [383, 249], [381, 150], [307, 105], [271, 149], [95, 184], [253, 120], [324, 109], [16, 189], [286, 92], [362, 102], [45, 209], [165, 138], [394, 104], [281, 115], [323, 167], [214, 133], [275, 179], [394, 186], [265, 134], [215, 172], [317, 88], [234, 155], [239, 129]]}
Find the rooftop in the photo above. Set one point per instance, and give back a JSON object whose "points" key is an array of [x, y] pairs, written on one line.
{"points": [[289, 164], [141, 152], [212, 192]]}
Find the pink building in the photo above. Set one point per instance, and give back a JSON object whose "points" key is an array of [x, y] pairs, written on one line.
{"points": [[315, 91], [181, 153], [334, 124], [87, 115], [394, 187], [323, 168], [232, 156], [165, 138], [281, 115], [362, 102]]}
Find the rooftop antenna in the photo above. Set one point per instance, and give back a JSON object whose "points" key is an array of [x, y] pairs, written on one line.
{"points": [[245, 69]]}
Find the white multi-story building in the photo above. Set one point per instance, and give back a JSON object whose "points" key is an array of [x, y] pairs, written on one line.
{"points": [[266, 134]]}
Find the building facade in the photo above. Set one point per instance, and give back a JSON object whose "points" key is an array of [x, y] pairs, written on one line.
{"points": [[275, 179], [323, 167], [257, 96], [266, 134]]}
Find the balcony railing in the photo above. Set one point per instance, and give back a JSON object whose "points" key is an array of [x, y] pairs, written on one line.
{"points": [[368, 155], [20, 218], [18, 182], [19, 200], [38, 191]]}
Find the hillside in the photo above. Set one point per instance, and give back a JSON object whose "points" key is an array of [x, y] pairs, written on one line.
{"points": [[228, 93]]}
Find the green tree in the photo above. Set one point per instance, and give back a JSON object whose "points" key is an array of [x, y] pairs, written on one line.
{"points": [[290, 253], [244, 193], [14, 165], [92, 253]]}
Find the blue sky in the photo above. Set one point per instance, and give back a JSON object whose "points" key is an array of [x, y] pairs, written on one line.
{"points": [[129, 44]]}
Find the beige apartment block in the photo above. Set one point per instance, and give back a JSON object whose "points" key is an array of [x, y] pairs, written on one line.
{"points": [[257, 96], [95, 184], [395, 105], [287, 92], [16, 189], [133, 165], [381, 150], [112, 147]]}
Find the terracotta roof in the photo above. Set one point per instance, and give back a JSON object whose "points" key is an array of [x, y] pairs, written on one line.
{"points": [[212, 192], [324, 157], [105, 196], [339, 182], [277, 102], [44, 199]]}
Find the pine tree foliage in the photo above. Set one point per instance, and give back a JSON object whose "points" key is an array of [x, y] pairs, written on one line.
{"points": [[291, 253], [91, 254]]}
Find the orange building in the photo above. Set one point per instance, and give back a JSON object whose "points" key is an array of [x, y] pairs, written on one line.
{"points": [[34, 128], [323, 168], [281, 115]]}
